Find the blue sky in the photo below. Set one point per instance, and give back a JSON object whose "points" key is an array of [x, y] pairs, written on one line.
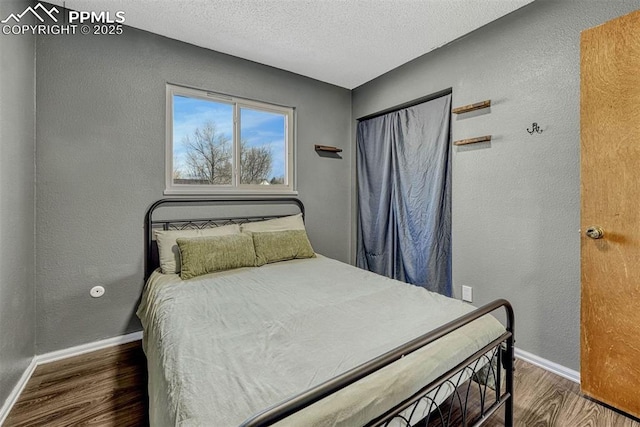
{"points": [[258, 128]]}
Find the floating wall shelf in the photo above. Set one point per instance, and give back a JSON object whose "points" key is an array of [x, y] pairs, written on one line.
{"points": [[473, 140], [327, 148], [472, 107]]}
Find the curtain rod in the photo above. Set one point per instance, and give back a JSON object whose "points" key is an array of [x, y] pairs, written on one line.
{"points": [[408, 104]]}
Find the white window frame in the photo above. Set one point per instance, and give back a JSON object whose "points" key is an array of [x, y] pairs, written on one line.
{"points": [[235, 187]]}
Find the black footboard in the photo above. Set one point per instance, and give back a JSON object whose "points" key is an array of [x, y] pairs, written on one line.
{"points": [[485, 383]]}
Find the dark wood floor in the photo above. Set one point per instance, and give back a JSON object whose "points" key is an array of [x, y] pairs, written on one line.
{"points": [[108, 388], [103, 388]]}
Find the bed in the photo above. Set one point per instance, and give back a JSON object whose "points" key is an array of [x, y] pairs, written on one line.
{"points": [[312, 341]]}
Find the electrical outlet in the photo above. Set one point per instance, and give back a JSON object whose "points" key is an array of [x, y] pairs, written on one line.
{"points": [[467, 293]]}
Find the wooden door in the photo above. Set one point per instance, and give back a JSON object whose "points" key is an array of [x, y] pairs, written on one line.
{"points": [[610, 199]]}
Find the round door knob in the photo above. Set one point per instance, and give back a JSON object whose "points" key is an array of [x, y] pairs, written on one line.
{"points": [[595, 232]]}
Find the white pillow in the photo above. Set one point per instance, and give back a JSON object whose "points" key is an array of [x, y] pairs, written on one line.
{"points": [[168, 250], [293, 222]]}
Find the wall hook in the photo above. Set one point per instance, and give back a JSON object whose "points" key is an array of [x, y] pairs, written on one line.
{"points": [[534, 129]]}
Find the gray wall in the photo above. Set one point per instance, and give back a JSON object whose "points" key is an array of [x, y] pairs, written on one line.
{"points": [[515, 199], [17, 203], [100, 157]]}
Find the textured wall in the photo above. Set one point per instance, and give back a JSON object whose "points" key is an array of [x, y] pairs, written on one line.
{"points": [[100, 158], [515, 199], [17, 203]]}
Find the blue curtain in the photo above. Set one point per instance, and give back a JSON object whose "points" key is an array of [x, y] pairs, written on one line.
{"points": [[404, 194]]}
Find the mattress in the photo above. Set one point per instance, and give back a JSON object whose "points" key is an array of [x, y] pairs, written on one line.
{"points": [[224, 346]]}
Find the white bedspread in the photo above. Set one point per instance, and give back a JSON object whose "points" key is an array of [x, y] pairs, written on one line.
{"points": [[224, 346]]}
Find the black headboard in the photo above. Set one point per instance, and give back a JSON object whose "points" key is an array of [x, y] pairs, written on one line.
{"points": [[249, 205]]}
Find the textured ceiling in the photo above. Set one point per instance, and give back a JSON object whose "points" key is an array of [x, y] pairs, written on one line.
{"points": [[343, 42]]}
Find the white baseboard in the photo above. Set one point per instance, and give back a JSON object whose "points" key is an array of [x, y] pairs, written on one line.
{"points": [[41, 359], [548, 365], [87, 348], [15, 393]]}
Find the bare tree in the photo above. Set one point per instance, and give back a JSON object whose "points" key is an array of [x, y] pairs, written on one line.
{"points": [[209, 154], [255, 163]]}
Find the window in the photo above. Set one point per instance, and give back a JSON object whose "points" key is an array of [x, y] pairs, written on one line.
{"points": [[222, 144]]}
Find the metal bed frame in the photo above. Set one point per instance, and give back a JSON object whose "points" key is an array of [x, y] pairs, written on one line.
{"points": [[484, 366], [151, 250]]}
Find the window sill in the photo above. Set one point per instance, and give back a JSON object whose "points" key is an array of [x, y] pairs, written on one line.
{"points": [[230, 193]]}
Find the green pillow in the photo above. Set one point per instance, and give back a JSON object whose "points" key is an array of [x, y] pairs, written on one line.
{"points": [[274, 246], [202, 255]]}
